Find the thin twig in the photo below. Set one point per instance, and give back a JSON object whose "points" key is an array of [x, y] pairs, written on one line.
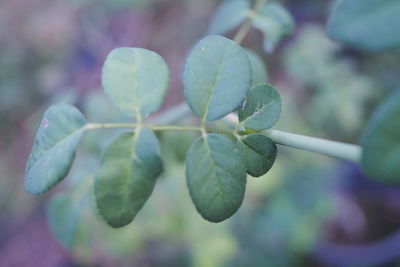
{"points": [[246, 26]]}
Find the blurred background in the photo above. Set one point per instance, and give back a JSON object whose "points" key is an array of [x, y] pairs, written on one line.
{"points": [[309, 210]]}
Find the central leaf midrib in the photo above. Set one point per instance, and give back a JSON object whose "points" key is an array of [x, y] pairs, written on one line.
{"points": [[132, 158], [251, 116], [255, 150], [214, 168], [54, 145], [137, 105], [211, 89]]}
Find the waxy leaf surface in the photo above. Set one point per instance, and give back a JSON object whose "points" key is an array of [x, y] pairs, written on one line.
{"points": [[381, 142], [135, 80], [217, 77], [371, 25], [261, 109], [53, 151], [228, 16], [258, 153], [128, 172], [216, 177]]}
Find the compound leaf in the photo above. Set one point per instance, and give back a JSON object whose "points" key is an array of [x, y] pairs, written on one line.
{"points": [[366, 24], [229, 15], [262, 108], [216, 177], [128, 172], [258, 68], [381, 142], [258, 153], [135, 80], [275, 22], [217, 77], [53, 151]]}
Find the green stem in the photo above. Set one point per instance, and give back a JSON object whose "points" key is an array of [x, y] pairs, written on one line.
{"points": [[246, 26], [94, 126], [335, 149]]}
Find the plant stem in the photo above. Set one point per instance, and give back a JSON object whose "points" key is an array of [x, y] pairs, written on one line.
{"points": [[335, 149], [339, 150], [246, 26], [94, 126]]}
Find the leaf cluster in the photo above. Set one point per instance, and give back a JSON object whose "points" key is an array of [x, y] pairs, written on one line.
{"points": [[219, 79]]}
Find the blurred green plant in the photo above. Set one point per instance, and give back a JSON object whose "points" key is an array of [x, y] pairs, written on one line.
{"points": [[219, 77], [366, 24], [334, 86], [288, 221], [271, 18]]}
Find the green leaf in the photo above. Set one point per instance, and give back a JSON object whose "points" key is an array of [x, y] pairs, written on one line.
{"points": [[366, 24], [216, 177], [258, 153], [262, 108], [381, 142], [229, 15], [217, 77], [128, 172], [275, 22], [258, 68], [53, 151], [63, 218], [135, 80]]}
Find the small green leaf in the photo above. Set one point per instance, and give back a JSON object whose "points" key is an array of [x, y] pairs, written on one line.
{"points": [[128, 172], [262, 108], [217, 77], [63, 218], [216, 177], [366, 24], [381, 142], [258, 68], [258, 153], [228, 16], [275, 22], [53, 151], [135, 80]]}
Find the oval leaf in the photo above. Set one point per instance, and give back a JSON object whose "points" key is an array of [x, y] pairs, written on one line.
{"points": [[259, 73], [381, 143], [228, 16], [53, 151], [262, 108], [216, 177], [63, 218], [275, 22], [367, 24], [135, 80], [217, 77], [127, 176], [258, 153]]}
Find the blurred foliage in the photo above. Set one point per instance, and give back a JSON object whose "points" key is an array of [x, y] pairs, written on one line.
{"points": [[286, 224], [334, 87], [353, 23]]}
